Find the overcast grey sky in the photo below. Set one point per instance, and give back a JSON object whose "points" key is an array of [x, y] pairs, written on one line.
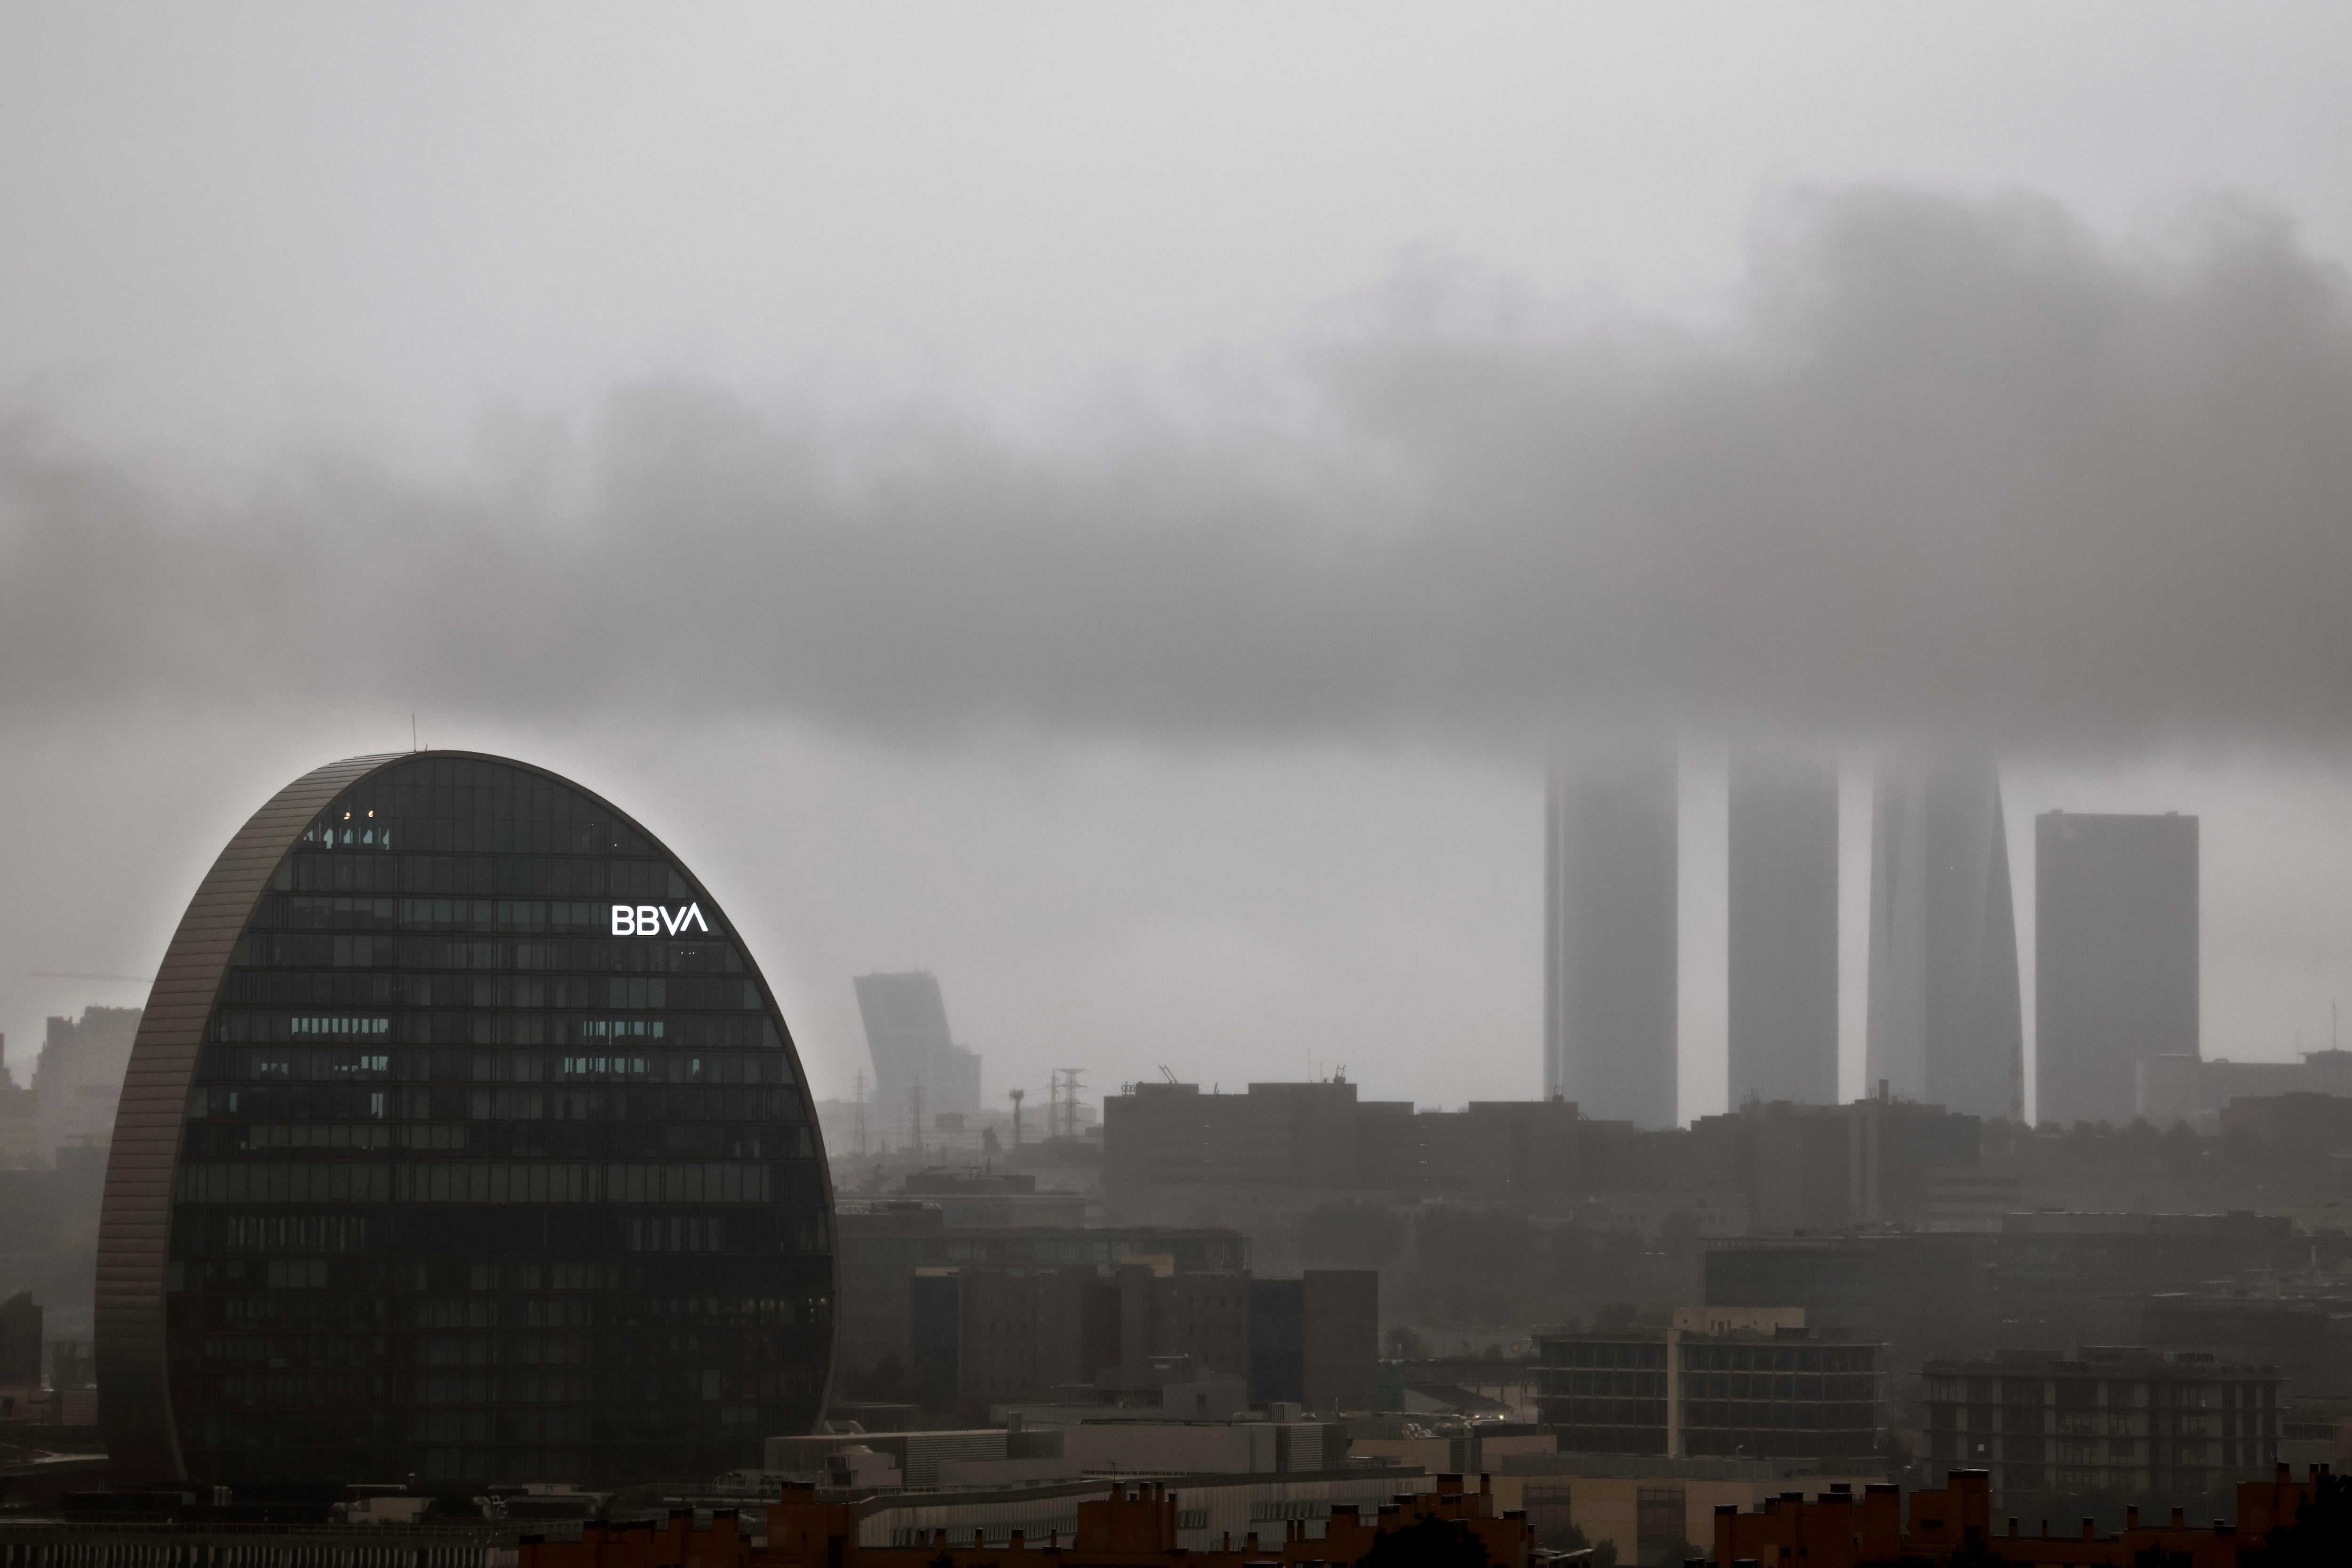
{"points": [[1103, 503]]}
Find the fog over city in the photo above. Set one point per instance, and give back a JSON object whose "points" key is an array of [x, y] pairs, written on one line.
{"points": [[991, 516]]}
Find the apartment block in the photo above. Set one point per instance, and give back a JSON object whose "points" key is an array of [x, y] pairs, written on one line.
{"points": [[2118, 1421], [1750, 1384]]}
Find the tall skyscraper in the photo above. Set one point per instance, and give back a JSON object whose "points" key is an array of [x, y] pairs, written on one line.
{"points": [[1945, 1022], [907, 1030], [1610, 932], [1783, 926], [2116, 958]]}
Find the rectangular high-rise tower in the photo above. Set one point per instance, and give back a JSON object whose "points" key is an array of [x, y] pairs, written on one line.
{"points": [[1610, 932], [1946, 1023], [2116, 958], [1783, 927], [907, 1030]]}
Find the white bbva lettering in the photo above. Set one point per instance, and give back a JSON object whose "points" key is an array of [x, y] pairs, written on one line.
{"points": [[652, 920]]}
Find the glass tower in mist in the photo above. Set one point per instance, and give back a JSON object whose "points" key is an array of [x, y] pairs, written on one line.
{"points": [[2114, 943], [907, 1030], [1610, 932], [1782, 927], [1946, 1023]]}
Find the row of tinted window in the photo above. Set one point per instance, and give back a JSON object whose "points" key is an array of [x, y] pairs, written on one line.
{"points": [[612, 1137], [363, 835], [510, 876], [356, 1304], [1590, 1353], [426, 1118], [653, 1396], [625, 955], [489, 1182], [1799, 1414], [300, 988], [681, 1031], [582, 1248], [597, 1059], [488, 917], [1781, 1358]]}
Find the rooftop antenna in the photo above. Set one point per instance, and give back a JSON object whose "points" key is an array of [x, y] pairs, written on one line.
{"points": [[1017, 1095], [412, 734]]}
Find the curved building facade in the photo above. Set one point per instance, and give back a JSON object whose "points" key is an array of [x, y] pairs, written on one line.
{"points": [[462, 1138]]}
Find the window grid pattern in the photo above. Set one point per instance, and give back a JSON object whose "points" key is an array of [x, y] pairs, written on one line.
{"points": [[474, 1189]]}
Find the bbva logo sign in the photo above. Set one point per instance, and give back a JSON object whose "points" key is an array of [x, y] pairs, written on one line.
{"points": [[652, 920]]}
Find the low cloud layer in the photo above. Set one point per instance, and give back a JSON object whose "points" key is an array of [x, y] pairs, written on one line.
{"points": [[1953, 468]]}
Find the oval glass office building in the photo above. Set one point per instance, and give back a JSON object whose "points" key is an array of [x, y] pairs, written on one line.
{"points": [[461, 1139]]}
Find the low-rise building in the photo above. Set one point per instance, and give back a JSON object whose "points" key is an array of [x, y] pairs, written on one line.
{"points": [[1134, 1525], [1739, 1383], [883, 1245], [2184, 1088], [986, 1336], [2121, 1422], [1956, 1522]]}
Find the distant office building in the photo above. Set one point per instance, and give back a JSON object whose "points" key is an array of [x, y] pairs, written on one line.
{"points": [[907, 1030], [1750, 1382], [2117, 1422], [79, 1079], [2195, 1088], [1824, 1167], [1315, 1342], [1076, 1333], [883, 1246], [20, 1341], [461, 1139], [2116, 958], [1610, 934], [1945, 1024], [1783, 926], [1320, 1135]]}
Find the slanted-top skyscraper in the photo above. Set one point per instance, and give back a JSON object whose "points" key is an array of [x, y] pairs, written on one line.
{"points": [[1783, 929], [2114, 942], [1946, 1023], [1610, 932], [907, 1030]]}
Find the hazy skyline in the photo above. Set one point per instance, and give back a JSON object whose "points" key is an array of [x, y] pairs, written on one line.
{"points": [[1104, 507]]}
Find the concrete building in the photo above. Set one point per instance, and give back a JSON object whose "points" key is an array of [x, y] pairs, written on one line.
{"points": [[1956, 1523], [1206, 1521], [1823, 1167], [1735, 1382], [1782, 935], [1611, 936], [883, 1246], [2116, 958], [916, 1061], [1314, 1341], [78, 1079], [995, 1337], [1945, 1024], [20, 1341], [1321, 1136], [2178, 1088], [2123, 1422], [1650, 1506]]}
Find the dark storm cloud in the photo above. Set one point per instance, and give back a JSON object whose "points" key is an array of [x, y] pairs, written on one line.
{"points": [[1957, 466]]}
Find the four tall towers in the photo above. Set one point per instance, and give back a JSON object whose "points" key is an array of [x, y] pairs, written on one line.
{"points": [[1945, 1019]]}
